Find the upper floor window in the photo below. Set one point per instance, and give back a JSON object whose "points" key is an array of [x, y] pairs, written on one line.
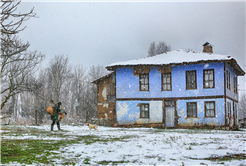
{"points": [[191, 79], [166, 82], [228, 80], [208, 78], [144, 110], [191, 110], [210, 109], [235, 84], [144, 82]]}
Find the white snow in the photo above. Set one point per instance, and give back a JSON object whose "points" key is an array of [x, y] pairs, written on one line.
{"points": [[174, 57], [148, 146]]}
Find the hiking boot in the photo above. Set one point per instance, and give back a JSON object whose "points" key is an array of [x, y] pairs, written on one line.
{"points": [[52, 126], [58, 126]]}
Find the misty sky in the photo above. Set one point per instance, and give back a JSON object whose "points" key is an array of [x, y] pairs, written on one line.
{"points": [[100, 33]]}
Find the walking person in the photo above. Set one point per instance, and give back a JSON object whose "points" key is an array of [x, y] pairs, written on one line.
{"points": [[54, 118]]}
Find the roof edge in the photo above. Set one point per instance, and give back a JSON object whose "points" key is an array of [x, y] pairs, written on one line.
{"points": [[232, 63], [102, 78]]}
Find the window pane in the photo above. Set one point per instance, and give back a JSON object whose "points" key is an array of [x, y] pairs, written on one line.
{"points": [[191, 109], [142, 114], [212, 113], [194, 113], [206, 77], [206, 84], [142, 87], [144, 110], [211, 84], [164, 87], [210, 76], [211, 105], [164, 80], [146, 81], [191, 79], [189, 114], [168, 80], [146, 114], [210, 109]]}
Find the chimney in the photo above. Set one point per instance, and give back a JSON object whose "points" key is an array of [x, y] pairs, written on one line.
{"points": [[207, 48]]}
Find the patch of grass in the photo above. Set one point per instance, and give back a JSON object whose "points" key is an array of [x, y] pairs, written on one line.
{"points": [[189, 148], [34, 151], [89, 139], [104, 162], [228, 157], [27, 151], [86, 161]]}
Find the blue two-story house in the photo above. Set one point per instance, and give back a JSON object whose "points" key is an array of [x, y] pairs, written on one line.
{"points": [[177, 89]]}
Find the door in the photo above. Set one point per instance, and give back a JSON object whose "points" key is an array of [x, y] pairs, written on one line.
{"points": [[170, 116]]}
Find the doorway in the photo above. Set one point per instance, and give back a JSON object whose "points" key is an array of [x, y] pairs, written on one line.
{"points": [[169, 113]]}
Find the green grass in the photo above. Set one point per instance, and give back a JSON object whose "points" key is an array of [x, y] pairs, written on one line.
{"points": [[104, 162], [39, 151], [35, 151], [228, 157], [28, 151]]}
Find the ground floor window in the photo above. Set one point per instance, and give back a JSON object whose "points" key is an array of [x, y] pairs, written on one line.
{"points": [[191, 110], [144, 110], [210, 109]]}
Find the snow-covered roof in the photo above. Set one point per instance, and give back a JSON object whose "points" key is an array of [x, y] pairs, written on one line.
{"points": [[177, 57]]}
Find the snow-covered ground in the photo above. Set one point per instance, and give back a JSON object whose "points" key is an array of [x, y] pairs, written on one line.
{"points": [[147, 146]]}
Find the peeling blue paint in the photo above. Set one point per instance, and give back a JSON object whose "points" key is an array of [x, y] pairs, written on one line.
{"points": [[218, 120], [128, 84], [127, 87], [128, 112]]}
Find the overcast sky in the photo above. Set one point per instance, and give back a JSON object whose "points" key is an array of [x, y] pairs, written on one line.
{"points": [[100, 33]]}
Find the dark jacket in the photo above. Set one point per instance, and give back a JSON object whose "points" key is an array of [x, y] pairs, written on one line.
{"points": [[56, 110]]}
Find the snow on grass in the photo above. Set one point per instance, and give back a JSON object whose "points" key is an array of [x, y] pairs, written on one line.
{"points": [[146, 146]]}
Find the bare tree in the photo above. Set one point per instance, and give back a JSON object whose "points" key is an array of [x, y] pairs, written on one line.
{"points": [[16, 63], [161, 48], [11, 25], [152, 50], [59, 73], [78, 89], [242, 106]]}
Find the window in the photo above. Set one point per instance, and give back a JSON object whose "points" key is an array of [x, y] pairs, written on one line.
{"points": [[166, 82], [144, 82], [235, 84], [191, 79], [191, 110], [210, 109], [228, 81], [208, 78], [169, 103], [144, 110]]}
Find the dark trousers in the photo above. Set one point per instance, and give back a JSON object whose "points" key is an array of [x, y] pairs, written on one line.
{"points": [[58, 124]]}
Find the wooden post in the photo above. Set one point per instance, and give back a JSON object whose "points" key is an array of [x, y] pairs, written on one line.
{"points": [[36, 117]]}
